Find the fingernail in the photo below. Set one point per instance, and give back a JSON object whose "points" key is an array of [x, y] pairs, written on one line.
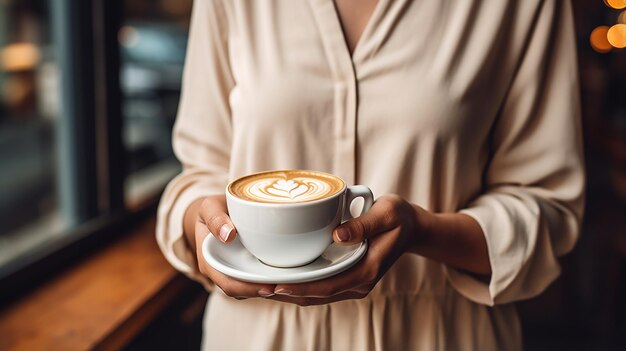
{"points": [[265, 293], [343, 234], [226, 231], [282, 291]]}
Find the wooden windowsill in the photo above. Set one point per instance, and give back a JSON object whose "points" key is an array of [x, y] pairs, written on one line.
{"points": [[101, 303]]}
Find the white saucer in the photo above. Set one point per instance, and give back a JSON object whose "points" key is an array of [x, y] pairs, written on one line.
{"points": [[234, 260]]}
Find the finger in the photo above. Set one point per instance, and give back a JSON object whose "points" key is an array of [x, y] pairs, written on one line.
{"points": [[233, 287], [201, 232], [213, 213], [236, 288], [381, 254], [314, 301], [380, 218], [354, 277]]}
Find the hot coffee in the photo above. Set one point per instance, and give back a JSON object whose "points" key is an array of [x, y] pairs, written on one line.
{"points": [[286, 186], [285, 218]]}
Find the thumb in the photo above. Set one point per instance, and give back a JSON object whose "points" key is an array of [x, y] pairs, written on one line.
{"points": [[221, 227], [380, 218], [213, 215]]}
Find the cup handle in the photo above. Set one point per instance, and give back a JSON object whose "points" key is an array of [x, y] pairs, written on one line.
{"points": [[352, 193]]}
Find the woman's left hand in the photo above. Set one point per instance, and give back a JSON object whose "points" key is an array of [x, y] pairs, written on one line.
{"points": [[392, 227]]}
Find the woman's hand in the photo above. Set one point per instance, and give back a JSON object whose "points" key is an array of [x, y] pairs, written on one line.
{"points": [[392, 227], [211, 215]]}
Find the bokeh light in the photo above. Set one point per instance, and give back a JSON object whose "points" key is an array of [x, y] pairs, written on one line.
{"points": [[616, 35], [598, 40], [622, 17], [128, 36], [19, 57], [616, 4]]}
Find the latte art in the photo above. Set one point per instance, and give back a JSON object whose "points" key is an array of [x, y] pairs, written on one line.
{"points": [[286, 186], [281, 190]]}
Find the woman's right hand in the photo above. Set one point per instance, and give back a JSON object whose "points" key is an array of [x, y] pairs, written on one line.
{"points": [[210, 216]]}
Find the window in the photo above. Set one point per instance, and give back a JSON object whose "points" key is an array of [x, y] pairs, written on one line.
{"points": [[88, 96], [32, 204], [153, 40]]}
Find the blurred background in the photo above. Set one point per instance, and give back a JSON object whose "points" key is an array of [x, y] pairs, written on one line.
{"points": [[85, 136]]}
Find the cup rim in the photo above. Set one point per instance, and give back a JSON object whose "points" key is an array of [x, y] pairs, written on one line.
{"points": [[283, 205]]}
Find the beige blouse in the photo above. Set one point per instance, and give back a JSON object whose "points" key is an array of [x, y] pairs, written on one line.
{"points": [[465, 106]]}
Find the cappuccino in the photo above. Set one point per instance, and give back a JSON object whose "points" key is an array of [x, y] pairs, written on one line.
{"points": [[286, 186], [285, 217]]}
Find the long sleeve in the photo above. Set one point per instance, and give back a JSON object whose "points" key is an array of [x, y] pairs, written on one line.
{"points": [[202, 132], [531, 207]]}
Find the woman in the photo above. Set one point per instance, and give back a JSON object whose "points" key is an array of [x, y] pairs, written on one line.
{"points": [[465, 114]]}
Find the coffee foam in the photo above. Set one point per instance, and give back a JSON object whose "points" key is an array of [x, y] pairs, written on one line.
{"points": [[290, 186]]}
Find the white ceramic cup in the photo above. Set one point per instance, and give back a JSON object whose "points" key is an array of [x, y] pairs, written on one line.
{"points": [[292, 234]]}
